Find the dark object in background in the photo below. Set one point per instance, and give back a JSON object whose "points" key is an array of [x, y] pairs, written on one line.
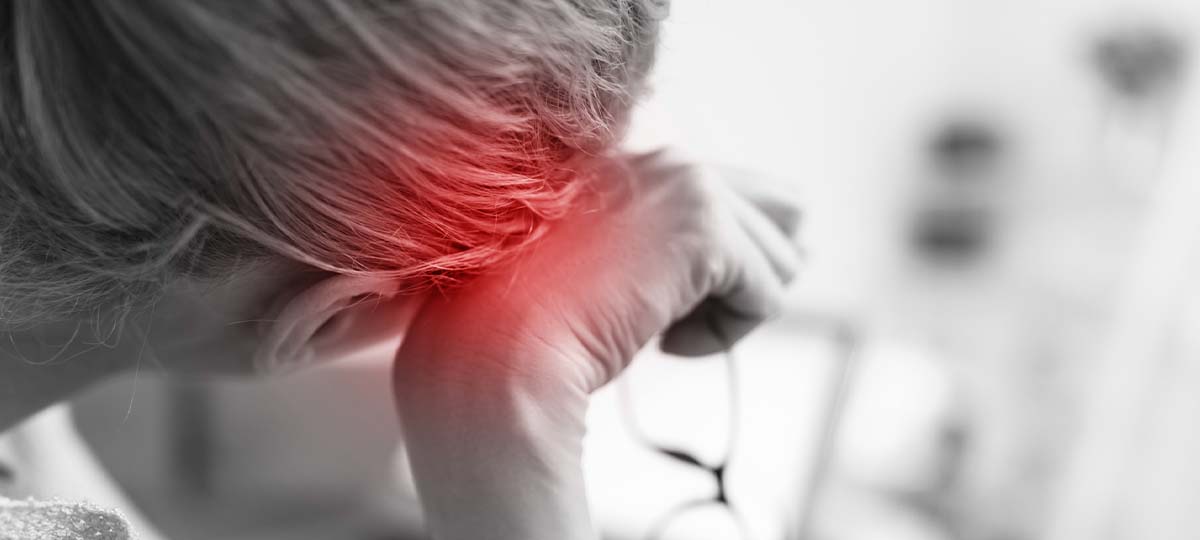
{"points": [[1140, 62], [964, 147], [952, 234], [954, 219]]}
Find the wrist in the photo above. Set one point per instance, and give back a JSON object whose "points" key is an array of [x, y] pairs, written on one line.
{"points": [[506, 345]]}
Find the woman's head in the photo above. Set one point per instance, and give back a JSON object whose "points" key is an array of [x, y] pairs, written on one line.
{"points": [[142, 142]]}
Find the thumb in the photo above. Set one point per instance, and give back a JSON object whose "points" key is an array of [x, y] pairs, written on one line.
{"points": [[750, 293]]}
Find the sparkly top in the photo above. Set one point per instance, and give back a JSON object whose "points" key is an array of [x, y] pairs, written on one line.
{"points": [[59, 520]]}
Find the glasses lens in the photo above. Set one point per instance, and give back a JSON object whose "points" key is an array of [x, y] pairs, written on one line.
{"points": [[700, 520], [683, 405]]}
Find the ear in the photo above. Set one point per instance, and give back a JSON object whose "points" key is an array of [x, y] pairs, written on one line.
{"points": [[331, 320]]}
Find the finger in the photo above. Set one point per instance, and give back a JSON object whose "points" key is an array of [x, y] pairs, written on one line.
{"points": [[748, 292], [779, 250], [786, 215], [781, 208]]}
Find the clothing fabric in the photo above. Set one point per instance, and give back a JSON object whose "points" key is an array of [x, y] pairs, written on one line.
{"points": [[60, 520]]}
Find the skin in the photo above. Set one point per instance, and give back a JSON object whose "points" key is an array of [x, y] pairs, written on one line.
{"points": [[492, 379], [492, 383], [192, 329]]}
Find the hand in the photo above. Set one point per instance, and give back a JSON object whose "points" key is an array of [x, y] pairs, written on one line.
{"points": [[492, 381]]}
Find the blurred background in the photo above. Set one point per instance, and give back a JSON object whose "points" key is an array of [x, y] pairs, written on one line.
{"points": [[994, 338]]}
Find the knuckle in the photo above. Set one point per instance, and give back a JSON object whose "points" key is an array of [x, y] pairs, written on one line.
{"points": [[716, 272]]}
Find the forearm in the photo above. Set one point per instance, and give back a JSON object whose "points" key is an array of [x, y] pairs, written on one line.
{"points": [[495, 451]]}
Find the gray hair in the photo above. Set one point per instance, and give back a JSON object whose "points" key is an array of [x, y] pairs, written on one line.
{"points": [[419, 140]]}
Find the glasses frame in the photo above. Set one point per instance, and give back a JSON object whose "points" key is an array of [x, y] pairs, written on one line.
{"points": [[846, 339]]}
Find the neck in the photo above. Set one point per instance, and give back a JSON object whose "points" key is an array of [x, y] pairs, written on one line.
{"points": [[30, 382]]}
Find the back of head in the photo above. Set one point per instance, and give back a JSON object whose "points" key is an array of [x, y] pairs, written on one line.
{"points": [[418, 139]]}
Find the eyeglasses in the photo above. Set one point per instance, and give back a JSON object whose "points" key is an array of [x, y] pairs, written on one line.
{"points": [[844, 337], [717, 471]]}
